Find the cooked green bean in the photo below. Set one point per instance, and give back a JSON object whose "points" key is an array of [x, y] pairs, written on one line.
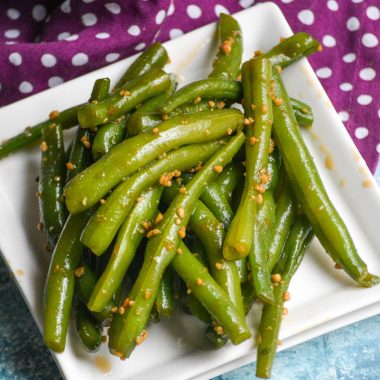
{"points": [[212, 88], [211, 295], [228, 60], [165, 294], [256, 75], [127, 330], [105, 223], [299, 239], [127, 242], [311, 194], [229, 179], [303, 113], [292, 49], [149, 85], [88, 331], [51, 182], [132, 154], [155, 56]]}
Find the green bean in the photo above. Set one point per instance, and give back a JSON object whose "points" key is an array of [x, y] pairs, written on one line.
{"points": [[210, 232], [205, 88], [228, 60], [229, 179], [302, 112], [155, 56], [124, 250], [108, 135], [84, 286], [292, 49], [132, 154], [149, 85], [165, 294], [51, 182], [211, 296], [105, 223], [258, 107], [299, 239], [198, 310], [311, 194], [66, 119], [127, 330], [59, 287], [89, 333]]}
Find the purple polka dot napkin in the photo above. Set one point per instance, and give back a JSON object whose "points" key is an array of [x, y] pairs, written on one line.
{"points": [[47, 42]]}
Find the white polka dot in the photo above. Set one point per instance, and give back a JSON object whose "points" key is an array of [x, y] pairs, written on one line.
{"points": [[324, 72], [134, 30], [218, 9], [332, 5], [361, 132], [174, 33], [193, 11], [54, 81], [102, 36], [63, 36], [246, 3], [344, 116], [1, 86], [88, 1], [350, 57], [306, 17], [13, 14], [378, 148], [369, 40], [25, 87], [160, 16], [111, 57], [48, 60], [39, 12], [367, 73], [89, 19], [287, 1], [364, 100], [373, 13], [79, 59], [66, 7], [346, 86], [353, 24], [15, 59], [171, 9], [12, 33], [10, 42], [357, 1], [140, 46], [113, 8], [328, 41], [73, 37]]}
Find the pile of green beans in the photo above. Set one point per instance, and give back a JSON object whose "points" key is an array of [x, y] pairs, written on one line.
{"points": [[154, 174]]}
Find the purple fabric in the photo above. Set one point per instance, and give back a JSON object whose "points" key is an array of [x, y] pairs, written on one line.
{"points": [[46, 42]]}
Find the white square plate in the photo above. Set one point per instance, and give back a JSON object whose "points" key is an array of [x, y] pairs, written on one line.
{"points": [[322, 297]]}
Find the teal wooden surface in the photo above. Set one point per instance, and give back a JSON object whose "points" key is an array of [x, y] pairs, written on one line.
{"points": [[350, 353]]}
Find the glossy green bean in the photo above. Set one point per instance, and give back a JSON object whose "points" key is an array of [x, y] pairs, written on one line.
{"points": [[59, 286], [124, 250], [211, 296], [149, 85], [303, 113], [165, 294], [212, 88], [311, 194], [105, 223], [88, 331], [51, 182], [229, 179], [256, 75], [134, 153], [293, 49], [228, 60], [128, 330], [295, 248], [66, 119], [155, 56]]}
